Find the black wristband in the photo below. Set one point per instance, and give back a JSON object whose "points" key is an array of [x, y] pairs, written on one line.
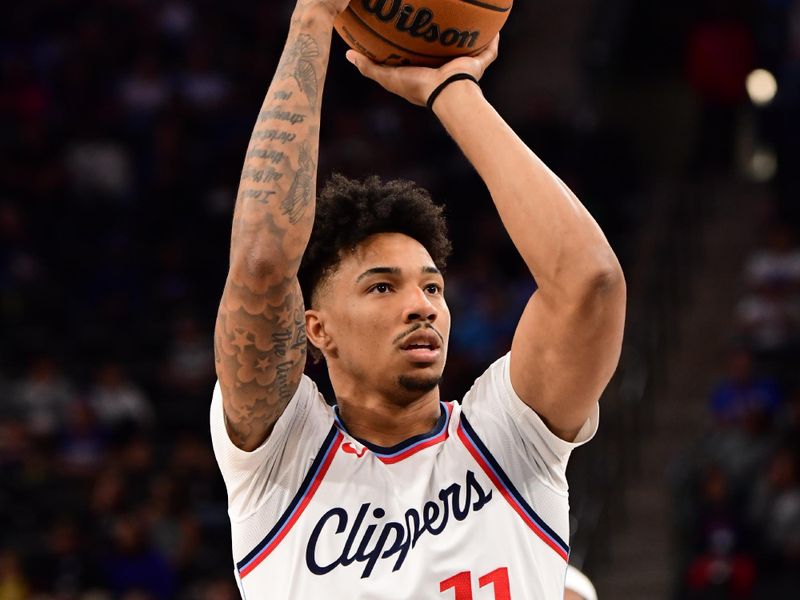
{"points": [[457, 77]]}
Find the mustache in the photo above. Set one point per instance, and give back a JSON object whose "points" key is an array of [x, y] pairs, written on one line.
{"points": [[417, 327]]}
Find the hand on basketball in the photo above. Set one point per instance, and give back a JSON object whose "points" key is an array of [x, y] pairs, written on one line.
{"points": [[415, 84]]}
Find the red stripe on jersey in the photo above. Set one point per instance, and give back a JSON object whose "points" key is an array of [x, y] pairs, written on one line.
{"points": [[507, 494], [306, 499]]}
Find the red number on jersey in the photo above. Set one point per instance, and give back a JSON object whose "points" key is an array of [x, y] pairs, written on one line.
{"points": [[462, 584], [499, 579]]}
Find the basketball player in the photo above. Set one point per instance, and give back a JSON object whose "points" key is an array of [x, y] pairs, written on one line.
{"points": [[395, 493]]}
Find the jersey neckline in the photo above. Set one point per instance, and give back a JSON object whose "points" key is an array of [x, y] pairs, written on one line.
{"points": [[406, 447]]}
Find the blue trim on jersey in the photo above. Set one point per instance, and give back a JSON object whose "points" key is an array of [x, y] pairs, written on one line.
{"points": [[405, 445], [298, 498], [501, 475]]}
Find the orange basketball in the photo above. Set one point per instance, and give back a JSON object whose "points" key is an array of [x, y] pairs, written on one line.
{"points": [[421, 32]]}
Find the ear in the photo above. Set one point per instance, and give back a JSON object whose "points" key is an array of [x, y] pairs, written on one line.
{"points": [[317, 334]]}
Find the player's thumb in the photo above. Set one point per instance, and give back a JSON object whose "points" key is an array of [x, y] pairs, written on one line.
{"points": [[363, 64]]}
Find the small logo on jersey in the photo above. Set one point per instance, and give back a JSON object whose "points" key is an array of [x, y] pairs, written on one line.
{"points": [[367, 538], [350, 449]]}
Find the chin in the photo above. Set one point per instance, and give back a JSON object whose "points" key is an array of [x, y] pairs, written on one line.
{"points": [[419, 383]]}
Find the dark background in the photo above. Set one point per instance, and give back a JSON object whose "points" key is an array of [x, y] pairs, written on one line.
{"points": [[123, 125]]}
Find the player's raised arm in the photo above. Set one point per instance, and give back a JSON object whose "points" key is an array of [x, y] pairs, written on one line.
{"points": [[568, 341], [259, 339]]}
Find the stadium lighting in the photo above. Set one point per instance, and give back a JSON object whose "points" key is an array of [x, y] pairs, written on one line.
{"points": [[761, 87], [763, 165]]}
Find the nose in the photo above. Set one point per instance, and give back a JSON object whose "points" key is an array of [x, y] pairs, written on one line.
{"points": [[419, 308]]}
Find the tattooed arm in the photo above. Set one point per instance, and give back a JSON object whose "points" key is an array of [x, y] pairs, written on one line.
{"points": [[259, 340]]}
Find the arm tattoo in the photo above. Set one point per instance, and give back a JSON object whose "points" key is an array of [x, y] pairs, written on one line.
{"points": [[300, 194], [260, 336], [300, 66], [260, 351]]}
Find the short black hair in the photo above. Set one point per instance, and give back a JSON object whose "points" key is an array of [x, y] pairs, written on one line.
{"points": [[351, 210]]}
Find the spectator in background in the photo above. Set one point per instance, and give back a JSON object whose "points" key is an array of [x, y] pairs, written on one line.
{"points": [[742, 393], [200, 85], [43, 398], [769, 319], [720, 568], [145, 90], [190, 362], [740, 452], [117, 401], [777, 261], [775, 512], [65, 567], [769, 315], [134, 564], [82, 443], [176, 531]]}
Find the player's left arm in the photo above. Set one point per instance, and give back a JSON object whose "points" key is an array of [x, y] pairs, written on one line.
{"points": [[567, 343]]}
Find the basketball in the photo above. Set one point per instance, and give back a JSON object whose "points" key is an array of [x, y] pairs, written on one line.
{"points": [[421, 32]]}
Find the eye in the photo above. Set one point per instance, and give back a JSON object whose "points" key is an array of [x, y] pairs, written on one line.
{"points": [[433, 288], [380, 288]]}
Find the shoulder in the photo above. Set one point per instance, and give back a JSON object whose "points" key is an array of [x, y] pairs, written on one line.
{"points": [[500, 416]]}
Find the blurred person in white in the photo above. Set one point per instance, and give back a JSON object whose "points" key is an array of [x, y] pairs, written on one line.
{"points": [[117, 401], [144, 90], [44, 396], [769, 318], [769, 314], [190, 363], [777, 261], [200, 83], [578, 586], [775, 509]]}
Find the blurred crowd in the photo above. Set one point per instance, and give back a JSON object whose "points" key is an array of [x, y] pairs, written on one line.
{"points": [[738, 496], [123, 125], [739, 499]]}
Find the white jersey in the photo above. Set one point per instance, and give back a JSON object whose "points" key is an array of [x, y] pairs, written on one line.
{"points": [[476, 509]]}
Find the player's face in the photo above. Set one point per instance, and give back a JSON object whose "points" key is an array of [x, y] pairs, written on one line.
{"points": [[385, 316]]}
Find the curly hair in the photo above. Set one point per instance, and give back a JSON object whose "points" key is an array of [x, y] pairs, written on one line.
{"points": [[349, 211]]}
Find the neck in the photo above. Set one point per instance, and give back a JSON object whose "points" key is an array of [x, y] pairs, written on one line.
{"points": [[385, 421]]}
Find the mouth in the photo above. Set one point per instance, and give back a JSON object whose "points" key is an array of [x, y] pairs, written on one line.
{"points": [[421, 354], [422, 347]]}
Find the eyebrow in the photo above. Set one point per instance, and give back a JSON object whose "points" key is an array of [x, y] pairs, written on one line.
{"points": [[393, 271]]}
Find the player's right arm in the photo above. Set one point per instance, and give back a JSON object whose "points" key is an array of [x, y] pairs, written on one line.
{"points": [[259, 338]]}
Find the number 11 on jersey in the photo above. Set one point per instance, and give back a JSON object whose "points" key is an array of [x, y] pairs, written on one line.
{"points": [[461, 584]]}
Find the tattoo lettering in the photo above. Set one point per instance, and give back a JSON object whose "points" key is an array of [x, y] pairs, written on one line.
{"points": [[261, 175], [282, 115], [257, 195], [279, 95], [273, 135], [274, 156]]}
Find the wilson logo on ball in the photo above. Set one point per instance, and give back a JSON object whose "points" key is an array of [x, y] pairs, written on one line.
{"points": [[419, 23], [421, 32]]}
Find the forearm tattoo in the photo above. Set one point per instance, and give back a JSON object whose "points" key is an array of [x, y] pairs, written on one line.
{"points": [[260, 337]]}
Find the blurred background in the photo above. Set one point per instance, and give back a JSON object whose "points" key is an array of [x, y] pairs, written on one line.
{"points": [[123, 126]]}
